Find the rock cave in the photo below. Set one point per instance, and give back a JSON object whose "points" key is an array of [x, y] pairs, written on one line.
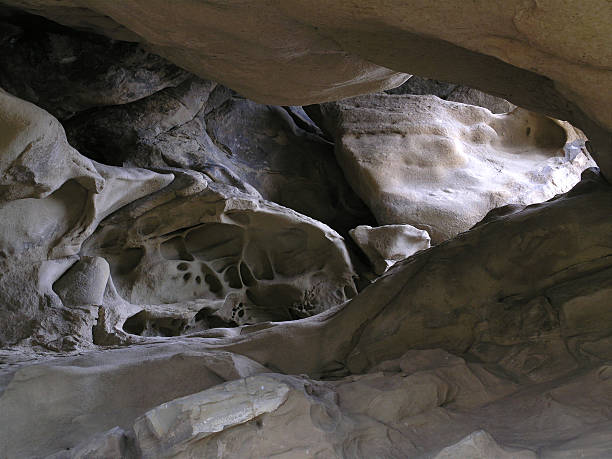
{"points": [[290, 229]]}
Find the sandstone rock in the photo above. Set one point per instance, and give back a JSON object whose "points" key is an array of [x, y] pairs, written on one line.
{"points": [[84, 283], [480, 445], [65, 71], [112, 443], [386, 245], [486, 303], [201, 126], [425, 404], [200, 254], [51, 200], [441, 166], [59, 404], [551, 57], [449, 91], [173, 427]]}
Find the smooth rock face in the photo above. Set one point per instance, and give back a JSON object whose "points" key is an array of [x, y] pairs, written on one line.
{"points": [[442, 166], [57, 405], [65, 71], [51, 200], [204, 127], [386, 245], [453, 92], [480, 445], [173, 427]]}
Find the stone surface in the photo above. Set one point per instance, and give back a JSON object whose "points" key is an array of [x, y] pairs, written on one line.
{"points": [[51, 200], [203, 126], [197, 254], [386, 245], [549, 56], [480, 445], [58, 404], [453, 92], [200, 254], [441, 166], [180, 313], [65, 71]]}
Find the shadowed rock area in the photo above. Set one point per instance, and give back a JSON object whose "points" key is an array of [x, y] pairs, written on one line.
{"points": [[421, 272]]}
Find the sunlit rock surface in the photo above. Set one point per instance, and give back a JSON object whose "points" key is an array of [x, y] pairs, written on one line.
{"points": [[441, 166]]}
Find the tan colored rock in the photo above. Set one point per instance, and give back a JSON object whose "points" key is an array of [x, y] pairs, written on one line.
{"points": [[59, 404], [171, 429], [201, 254], [442, 166], [51, 199], [480, 445], [550, 56], [386, 245]]}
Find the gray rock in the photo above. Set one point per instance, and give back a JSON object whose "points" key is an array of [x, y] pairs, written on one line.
{"points": [[449, 91], [203, 126], [65, 71]]}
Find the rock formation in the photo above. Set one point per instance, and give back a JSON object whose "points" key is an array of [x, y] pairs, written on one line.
{"points": [[386, 245], [441, 166], [176, 276]]}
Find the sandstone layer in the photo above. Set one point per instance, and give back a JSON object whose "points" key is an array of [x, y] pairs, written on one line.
{"points": [[547, 56], [442, 166]]}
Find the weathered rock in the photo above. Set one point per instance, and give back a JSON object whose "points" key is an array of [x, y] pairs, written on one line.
{"points": [[480, 445], [84, 283], [386, 245], [453, 92], [51, 200], [232, 256], [65, 71], [199, 254], [549, 57], [202, 126], [495, 293], [58, 404], [173, 428], [441, 166], [424, 404]]}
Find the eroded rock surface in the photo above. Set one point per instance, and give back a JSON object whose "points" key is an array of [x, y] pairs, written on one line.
{"points": [[65, 71], [547, 56], [203, 126], [386, 245], [441, 166], [453, 92], [195, 255]]}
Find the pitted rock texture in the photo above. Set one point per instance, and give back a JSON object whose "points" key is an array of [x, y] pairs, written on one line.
{"points": [[66, 72], [442, 166], [198, 254], [51, 200], [203, 126]]}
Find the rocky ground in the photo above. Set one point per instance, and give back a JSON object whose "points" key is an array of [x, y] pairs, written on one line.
{"points": [[187, 271]]}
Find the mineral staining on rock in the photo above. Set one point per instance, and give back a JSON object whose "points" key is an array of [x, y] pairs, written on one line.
{"points": [[442, 166]]}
